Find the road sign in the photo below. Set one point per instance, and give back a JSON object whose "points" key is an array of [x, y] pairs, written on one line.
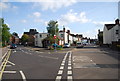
{"points": [[55, 36]]}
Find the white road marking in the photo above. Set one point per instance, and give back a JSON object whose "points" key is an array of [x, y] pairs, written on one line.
{"points": [[9, 72], [4, 55], [62, 64], [69, 64], [11, 63], [23, 76], [58, 78], [60, 72], [69, 72], [62, 67], [69, 67], [69, 78]]}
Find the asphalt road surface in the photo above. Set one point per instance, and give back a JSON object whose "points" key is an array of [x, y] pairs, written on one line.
{"points": [[71, 64]]}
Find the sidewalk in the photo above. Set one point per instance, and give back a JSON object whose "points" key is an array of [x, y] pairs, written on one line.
{"points": [[4, 50]]}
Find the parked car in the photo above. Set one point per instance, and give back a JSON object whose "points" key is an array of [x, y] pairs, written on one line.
{"points": [[13, 46], [80, 45], [66, 45]]}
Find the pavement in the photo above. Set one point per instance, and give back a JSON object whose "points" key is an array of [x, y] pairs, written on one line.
{"points": [[90, 63]]}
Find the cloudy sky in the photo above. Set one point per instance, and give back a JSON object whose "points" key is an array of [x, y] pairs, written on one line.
{"points": [[80, 17]]}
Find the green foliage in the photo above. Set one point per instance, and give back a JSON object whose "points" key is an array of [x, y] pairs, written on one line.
{"points": [[24, 38], [5, 34], [51, 39], [53, 28]]}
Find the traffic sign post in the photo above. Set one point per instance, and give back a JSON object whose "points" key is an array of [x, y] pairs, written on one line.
{"points": [[55, 36]]}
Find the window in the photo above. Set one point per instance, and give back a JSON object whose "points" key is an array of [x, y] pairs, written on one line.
{"points": [[62, 35], [36, 36], [117, 32], [40, 36]]}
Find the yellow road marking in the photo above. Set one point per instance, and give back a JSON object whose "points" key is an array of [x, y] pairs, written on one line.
{"points": [[5, 62]]}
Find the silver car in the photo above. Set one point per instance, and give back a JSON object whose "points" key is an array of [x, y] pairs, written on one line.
{"points": [[66, 45], [80, 45]]}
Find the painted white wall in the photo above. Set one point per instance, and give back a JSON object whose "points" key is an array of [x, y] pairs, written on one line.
{"points": [[70, 39], [38, 39], [110, 35], [107, 36]]}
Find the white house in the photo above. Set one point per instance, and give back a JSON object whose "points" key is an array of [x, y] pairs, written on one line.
{"points": [[39, 37], [68, 37], [111, 32]]}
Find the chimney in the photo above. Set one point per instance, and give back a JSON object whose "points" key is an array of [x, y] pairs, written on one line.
{"points": [[99, 31], [117, 21], [68, 31], [63, 29]]}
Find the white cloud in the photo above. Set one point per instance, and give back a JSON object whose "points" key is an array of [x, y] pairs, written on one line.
{"points": [[4, 6], [53, 4], [37, 14], [7, 6], [38, 20], [24, 21], [71, 17], [103, 22]]}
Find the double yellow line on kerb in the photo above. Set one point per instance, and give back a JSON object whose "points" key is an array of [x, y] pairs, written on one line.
{"points": [[4, 63]]}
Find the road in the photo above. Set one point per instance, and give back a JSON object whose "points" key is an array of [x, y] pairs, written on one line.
{"points": [[83, 64]]}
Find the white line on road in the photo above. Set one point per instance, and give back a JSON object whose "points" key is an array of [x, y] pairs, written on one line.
{"points": [[60, 72], [62, 67], [9, 72], [58, 78], [69, 72], [69, 67], [23, 76], [11, 63], [4, 55], [69, 78]]}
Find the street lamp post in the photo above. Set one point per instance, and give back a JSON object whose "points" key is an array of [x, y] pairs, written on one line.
{"points": [[55, 36]]}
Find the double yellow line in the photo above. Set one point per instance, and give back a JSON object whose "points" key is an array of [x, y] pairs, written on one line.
{"points": [[3, 65]]}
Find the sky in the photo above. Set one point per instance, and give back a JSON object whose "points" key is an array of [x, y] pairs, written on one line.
{"points": [[79, 17]]}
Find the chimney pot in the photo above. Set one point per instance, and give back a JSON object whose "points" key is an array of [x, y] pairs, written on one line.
{"points": [[117, 21]]}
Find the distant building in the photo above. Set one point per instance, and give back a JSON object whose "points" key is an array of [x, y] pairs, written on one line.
{"points": [[68, 37], [39, 39], [111, 32], [14, 39], [31, 35], [31, 32]]}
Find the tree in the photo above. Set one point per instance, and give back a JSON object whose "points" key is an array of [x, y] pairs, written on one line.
{"points": [[24, 38], [5, 33], [53, 28]]}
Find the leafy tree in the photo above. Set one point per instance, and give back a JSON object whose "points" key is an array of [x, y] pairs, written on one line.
{"points": [[5, 32], [24, 38], [53, 28]]}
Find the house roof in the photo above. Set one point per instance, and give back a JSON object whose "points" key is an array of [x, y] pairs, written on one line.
{"points": [[109, 26]]}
